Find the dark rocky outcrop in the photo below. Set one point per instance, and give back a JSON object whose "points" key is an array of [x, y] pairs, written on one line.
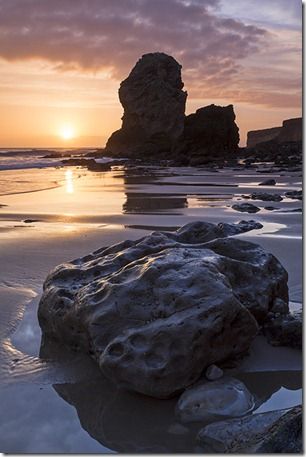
{"points": [[154, 108], [209, 133], [245, 208], [266, 197], [154, 122], [90, 164], [295, 194], [143, 311]]}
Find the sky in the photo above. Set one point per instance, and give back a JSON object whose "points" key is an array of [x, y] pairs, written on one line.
{"points": [[61, 62]]}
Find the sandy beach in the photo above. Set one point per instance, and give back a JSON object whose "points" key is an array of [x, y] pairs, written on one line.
{"points": [[55, 214]]}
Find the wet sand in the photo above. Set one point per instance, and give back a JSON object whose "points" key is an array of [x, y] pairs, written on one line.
{"points": [[84, 211]]}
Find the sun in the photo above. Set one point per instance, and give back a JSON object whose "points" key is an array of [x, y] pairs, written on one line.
{"points": [[67, 132]]}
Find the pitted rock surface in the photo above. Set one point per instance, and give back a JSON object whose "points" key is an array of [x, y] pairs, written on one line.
{"points": [[155, 312]]}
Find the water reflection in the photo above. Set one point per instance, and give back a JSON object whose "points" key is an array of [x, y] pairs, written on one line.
{"points": [[127, 422], [69, 181], [148, 202]]}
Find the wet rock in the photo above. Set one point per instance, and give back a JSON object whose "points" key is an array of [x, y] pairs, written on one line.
{"points": [[295, 194], [201, 232], [95, 166], [280, 306], [228, 435], [212, 401], [268, 182], [30, 221], [246, 208], [213, 373], [142, 310], [285, 330], [284, 436], [154, 107], [270, 208], [263, 196]]}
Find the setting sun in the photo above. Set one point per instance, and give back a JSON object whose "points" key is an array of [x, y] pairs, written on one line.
{"points": [[67, 132]]}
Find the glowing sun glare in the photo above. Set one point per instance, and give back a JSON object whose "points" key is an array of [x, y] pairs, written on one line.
{"points": [[67, 132]]}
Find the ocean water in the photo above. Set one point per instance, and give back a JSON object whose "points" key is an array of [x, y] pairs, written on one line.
{"points": [[22, 158]]}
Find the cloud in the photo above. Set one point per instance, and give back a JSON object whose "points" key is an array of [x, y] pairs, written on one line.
{"points": [[110, 35]]}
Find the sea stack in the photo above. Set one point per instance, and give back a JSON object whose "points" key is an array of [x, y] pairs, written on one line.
{"points": [[153, 100]]}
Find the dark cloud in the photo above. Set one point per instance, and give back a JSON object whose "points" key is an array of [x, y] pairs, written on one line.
{"points": [[93, 34], [112, 34]]}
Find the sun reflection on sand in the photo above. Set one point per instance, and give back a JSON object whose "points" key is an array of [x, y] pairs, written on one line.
{"points": [[69, 181]]}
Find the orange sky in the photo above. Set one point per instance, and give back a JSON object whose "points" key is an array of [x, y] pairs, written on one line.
{"points": [[61, 64]]}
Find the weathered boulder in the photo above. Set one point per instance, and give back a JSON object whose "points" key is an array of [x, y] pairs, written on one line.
{"points": [[212, 401], [209, 133], [154, 107], [245, 208], [155, 312]]}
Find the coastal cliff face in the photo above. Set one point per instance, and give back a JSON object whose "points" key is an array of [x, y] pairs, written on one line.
{"points": [[291, 131], [154, 124], [261, 136], [154, 107]]}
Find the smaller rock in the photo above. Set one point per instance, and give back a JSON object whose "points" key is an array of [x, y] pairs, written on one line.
{"points": [[245, 208], [270, 208], [29, 221], [280, 306], [225, 435], [294, 195], [212, 401], [285, 330], [213, 373], [285, 436], [265, 197], [268, 182], [95, 166]]}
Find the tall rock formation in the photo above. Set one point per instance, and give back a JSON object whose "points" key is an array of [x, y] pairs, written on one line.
{"points": [[154, 108]]}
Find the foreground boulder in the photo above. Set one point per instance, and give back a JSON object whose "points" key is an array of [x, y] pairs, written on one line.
{"points": [[154, 107], [155, 312]]}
